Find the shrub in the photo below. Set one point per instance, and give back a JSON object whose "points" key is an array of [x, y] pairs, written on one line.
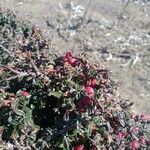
{"points": [[63, 103]]}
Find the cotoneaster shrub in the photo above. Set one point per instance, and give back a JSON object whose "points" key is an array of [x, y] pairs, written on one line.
{"points": [[51, 102], [67, 104]]}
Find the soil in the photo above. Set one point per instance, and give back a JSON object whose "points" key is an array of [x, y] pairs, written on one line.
{"points": [[115, 33]]}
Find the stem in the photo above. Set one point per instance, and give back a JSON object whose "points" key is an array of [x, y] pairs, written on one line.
{"points": [[6, 50], [20, 75], [33, 64]]}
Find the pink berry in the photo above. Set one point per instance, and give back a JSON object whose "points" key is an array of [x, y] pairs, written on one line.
{"points": [[121, 135], [145, 117], [89, 91], [136, 129], [134, 145], [142, 140], [6, 103], [133, 115], [25, 93], [79, 147]]}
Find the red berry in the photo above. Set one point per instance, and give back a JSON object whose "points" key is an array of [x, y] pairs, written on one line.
{"points": [[81, 109], [89, 91], [71, 61], [69, 58], [25, 93], [85, 101], [68, 55], [92, 83], [79, 147]]}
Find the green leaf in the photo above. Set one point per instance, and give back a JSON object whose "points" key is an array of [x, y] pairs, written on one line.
{"points": [[56, 94]]}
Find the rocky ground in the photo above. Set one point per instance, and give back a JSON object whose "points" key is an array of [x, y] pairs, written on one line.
{"points": [[115, 33]]}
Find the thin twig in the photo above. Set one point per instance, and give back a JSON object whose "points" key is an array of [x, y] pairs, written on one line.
{"points": [[33, 64], [12, 70], [6, 50], [86, 11], [85, 14], [135, 60], [25, 74], [35, 67], [21, 75], [124, 8], [122, 12], [18, 73]]}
